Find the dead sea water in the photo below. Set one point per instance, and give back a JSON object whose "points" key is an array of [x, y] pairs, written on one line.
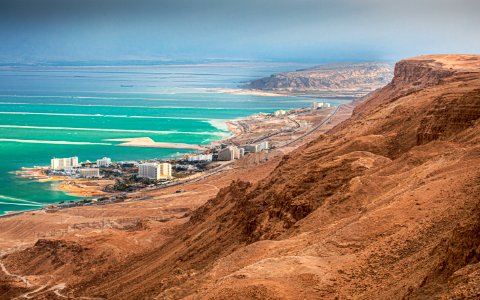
{"points": [[62, 111]]}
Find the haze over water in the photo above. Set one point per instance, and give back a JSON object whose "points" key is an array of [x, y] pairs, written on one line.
{"points": [[62, 111]]}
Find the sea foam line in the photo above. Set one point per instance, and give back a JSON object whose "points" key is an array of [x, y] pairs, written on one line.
{"points": [[108, 130], [135, 106], [102, 115], [52, 142], [92, 97], [19, 200], [219, 124], [113, 98], [21, 204]]}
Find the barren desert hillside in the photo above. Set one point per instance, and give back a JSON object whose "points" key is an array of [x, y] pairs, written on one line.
{"points": [[342, 79], [383, 206]]}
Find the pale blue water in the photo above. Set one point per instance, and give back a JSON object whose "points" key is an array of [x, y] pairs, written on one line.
{"points": [[89, 105]]}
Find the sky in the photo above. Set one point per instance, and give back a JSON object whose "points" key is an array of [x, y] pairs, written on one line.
{"points": [[277, 30]]}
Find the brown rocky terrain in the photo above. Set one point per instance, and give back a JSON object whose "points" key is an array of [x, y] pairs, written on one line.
{"points": [[330, 80], [383, 206]]}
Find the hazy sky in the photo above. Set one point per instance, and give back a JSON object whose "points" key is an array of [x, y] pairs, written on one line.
{"points": [[301, 30]]}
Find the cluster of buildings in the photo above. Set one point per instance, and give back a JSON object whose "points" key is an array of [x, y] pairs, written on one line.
{"points": [[227, 153], [320, 105], [71, 166]]}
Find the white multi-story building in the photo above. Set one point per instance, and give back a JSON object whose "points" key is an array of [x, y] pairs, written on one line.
{"points": [[251, 148], [165, 171], [200, 157], [263, 146], [317, 105], [257, 147], [279, 113], [64, 163], [228, 153], [155, 171], [90, 172], [104, 162]]}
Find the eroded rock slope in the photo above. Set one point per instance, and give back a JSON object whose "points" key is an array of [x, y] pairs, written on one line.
{"points": [[384, 206]]}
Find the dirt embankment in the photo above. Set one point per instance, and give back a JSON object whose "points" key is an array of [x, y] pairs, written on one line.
{"points": [[384, 206]]}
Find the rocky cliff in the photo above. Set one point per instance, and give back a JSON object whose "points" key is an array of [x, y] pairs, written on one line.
{"points": [[384, 206], [347, 79]]}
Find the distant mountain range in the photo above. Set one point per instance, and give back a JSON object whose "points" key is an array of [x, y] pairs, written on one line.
{"points": [[333, 80]]}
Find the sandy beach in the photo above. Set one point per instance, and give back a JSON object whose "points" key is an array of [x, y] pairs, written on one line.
{"points": [[79, 187], [147, 142], [83, 187]]}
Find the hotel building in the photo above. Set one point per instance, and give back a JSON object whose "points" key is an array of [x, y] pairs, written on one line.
{"points": [[200, 157], [90, 173], [104, 162], [319, 105], [253, 148], [63, 163], [155, 171]]}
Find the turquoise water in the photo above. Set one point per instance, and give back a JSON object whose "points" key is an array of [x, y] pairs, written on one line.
{"points": [[65, 111]]}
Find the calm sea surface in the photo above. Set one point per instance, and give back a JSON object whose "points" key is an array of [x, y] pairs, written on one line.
{"points": [[65, 111]]}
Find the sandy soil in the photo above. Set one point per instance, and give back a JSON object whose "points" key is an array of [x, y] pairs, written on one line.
{"points": [[75, 187], [147, 142], [382, 206], [280, 130], [135, 226], [84, 187]]}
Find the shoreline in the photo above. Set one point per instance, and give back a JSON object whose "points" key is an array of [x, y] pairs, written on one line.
{"points": [[146, 142], [70, 186], [168, 205], [238, 133], [312, 94], [83, 188]]}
